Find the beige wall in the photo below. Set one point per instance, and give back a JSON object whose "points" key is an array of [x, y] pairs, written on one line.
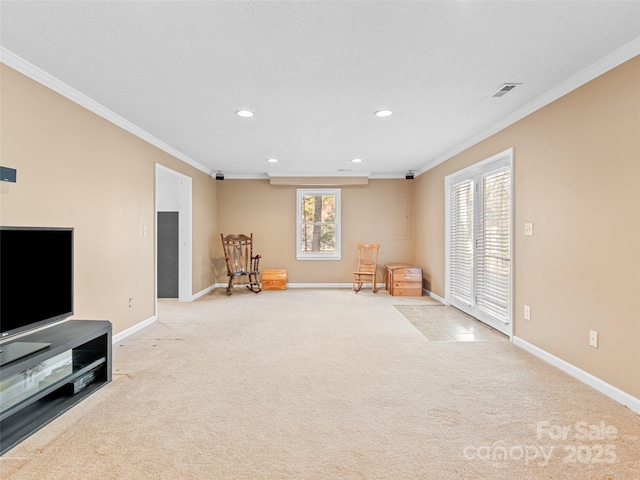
{"points": [[577, 178], [369, 215], [576, 172], [77, 169]]}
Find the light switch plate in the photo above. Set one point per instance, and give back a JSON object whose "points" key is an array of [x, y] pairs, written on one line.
{"points": [[528, 229]]}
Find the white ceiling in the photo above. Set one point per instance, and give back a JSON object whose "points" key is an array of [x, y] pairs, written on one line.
{"points": [[314, 72]]}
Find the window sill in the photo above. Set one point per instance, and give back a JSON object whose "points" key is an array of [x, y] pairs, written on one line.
{"points": [[318, 257]]}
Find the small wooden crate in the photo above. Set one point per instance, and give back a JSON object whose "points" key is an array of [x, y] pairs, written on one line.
{"points": [[274, 280], [388, 274], [405, 281]]}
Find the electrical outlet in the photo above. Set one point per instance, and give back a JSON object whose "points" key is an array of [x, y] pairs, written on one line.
{"points": [[593, 338], [527, 312], [145, 231], [131, 303]]}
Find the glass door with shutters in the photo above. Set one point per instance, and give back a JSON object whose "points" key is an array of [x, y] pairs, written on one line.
{"points": [[479, 246]]}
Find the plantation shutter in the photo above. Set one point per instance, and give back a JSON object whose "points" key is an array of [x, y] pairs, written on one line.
{"points": [[461, 241], [493, 245], [479, 222]]}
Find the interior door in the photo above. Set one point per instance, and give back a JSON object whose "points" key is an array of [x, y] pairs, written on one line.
{"points": [[168, 255], [479, 230]]}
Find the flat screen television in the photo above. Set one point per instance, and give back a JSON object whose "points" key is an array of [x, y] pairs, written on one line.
{"points": [[36, 278]]}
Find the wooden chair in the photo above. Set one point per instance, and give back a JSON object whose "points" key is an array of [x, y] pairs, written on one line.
{"points": [[241, 262], [367, 265]]}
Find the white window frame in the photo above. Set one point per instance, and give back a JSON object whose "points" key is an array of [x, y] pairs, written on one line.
{"points": [[300, 255]]}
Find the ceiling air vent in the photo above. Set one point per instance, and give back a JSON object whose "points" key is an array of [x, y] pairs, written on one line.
{"points": [[504, 89]]}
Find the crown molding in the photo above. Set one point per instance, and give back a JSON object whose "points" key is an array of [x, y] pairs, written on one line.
{"points": [[241, 176], [318, 174], [318, 180], [21, 65], [609, 62], [268, 176], [387, 176], [627, 52]]}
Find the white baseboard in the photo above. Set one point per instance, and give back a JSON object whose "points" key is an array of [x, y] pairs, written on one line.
{"points": [[434, 296], [203, 292], [131, 330], [304, 285], [319, 285], [379, 286], [603, 387], [294, 285]]}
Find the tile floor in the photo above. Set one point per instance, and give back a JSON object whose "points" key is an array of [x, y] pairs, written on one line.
{"points": [[448, 324]]}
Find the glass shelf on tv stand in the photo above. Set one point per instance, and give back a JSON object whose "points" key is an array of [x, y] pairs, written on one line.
{"points": [[38, 381]]}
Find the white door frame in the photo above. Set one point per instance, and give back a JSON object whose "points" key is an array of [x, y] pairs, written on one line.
{"points": [[184, 232], [449, 180]]}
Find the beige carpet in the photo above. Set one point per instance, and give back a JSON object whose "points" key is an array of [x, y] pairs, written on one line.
{"points": [[326, 384]]}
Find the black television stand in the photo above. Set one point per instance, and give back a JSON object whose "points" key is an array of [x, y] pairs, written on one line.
{"points": [[37, 387], [13, 351]]}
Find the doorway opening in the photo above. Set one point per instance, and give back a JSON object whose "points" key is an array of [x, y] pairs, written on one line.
{"points": [[173, 234], [478, 241]]}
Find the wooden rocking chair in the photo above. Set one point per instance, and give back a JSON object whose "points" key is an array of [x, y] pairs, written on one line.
{"points": [[367, 266], [238, 253]]}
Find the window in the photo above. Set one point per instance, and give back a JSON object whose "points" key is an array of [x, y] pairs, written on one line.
{"points": [[318, 224]]}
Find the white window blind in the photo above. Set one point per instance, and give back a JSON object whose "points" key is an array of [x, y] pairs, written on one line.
{"points": [[461, 238], [493, 245], [478, 269]]}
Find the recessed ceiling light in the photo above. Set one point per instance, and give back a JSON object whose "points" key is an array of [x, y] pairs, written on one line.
{"points": [[356, 160], [384, 113], [272, 160], [244, 113]]}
